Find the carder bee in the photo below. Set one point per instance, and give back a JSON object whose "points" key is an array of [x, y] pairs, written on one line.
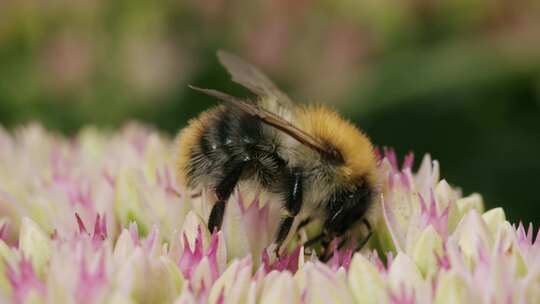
{"points": [[321, 166]]}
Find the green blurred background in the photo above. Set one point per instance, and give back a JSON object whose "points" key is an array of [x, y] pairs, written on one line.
{"points": [[459, 79]]}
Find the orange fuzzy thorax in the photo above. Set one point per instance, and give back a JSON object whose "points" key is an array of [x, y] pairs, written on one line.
{"points": [[189, 137], [355, 147]]}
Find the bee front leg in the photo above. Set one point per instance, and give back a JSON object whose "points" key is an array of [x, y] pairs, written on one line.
{"points": [[293, 204], [319, 237], [224, 190], [366, 239]]}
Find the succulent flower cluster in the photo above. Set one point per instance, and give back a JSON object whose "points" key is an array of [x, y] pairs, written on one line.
{"points": [[98, 218]]}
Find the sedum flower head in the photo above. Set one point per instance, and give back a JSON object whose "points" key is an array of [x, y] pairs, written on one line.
{"points": [[99, 219]]}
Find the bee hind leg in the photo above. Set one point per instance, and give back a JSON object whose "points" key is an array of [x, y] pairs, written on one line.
{"points": [[224, 190], [293, 204], [364, 241], [304, 223]]}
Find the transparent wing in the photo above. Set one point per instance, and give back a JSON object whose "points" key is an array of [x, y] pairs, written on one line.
{"points": [[249, 76], [273, 120]]}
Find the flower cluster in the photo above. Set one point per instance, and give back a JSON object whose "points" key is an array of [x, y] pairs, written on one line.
{"points": [[99, 219]]}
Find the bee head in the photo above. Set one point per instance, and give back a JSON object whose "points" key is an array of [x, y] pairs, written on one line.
{"points": [[347, 207]]}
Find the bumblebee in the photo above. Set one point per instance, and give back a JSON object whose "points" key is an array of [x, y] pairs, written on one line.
{"points": [[321, 166]]}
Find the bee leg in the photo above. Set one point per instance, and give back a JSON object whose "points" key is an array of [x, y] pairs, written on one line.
{"points": [[366, 239], [314, 240], [342, 243], [308, 245], [284, 228], [326, 253], [329, 250], [223, 191], [304, 223], [293, 204]]}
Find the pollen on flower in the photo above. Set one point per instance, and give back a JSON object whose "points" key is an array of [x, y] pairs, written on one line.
{"points": [[99, 218]]}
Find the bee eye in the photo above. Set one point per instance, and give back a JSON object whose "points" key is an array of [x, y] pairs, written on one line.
{"points": [[351, 196]]}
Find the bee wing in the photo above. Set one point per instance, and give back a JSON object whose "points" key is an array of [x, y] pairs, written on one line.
{"points": [[249, 76], [273, 120]]}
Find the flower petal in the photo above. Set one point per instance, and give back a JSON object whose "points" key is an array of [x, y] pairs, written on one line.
{"points": [[324, 285], [452, 290], [428, 247], [404, 276], [234, 284], [35, 244], [471, 234], [473, 201], [365, 281], [493, 218], [279, 287]]}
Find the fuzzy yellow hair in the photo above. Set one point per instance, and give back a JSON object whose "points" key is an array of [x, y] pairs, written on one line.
{"points": [[188, 138], [354, 146]]}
